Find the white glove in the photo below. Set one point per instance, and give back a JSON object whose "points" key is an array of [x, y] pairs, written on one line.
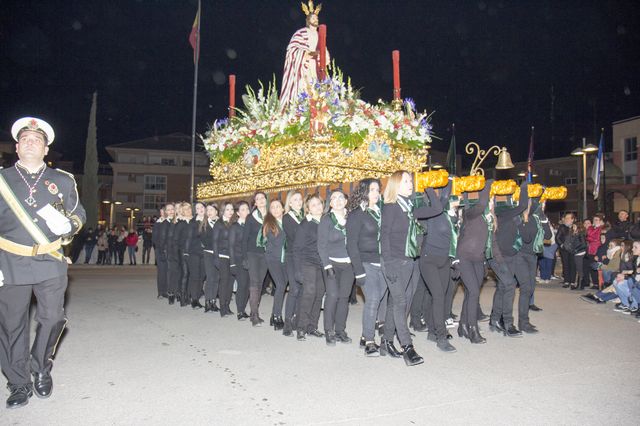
{"points": [[59, 228], [1, 279]]}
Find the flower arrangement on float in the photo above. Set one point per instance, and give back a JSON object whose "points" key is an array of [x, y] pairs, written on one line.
{"points": [[328, 109]]}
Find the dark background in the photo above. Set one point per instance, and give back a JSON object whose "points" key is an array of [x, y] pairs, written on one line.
{"points": [[489, 66]]}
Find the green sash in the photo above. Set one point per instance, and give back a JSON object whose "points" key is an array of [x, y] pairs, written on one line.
{"points": [[411, 248], [284, 246], [488, 248], [538, 242], [338, 226], [453, 246], [517, 244], [375, 214], [261, 240]]}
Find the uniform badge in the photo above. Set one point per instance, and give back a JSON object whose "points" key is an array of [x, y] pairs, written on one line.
{"points": [[53, 188]]}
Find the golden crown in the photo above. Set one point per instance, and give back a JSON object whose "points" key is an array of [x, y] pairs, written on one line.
{"points": [[310, 9]]}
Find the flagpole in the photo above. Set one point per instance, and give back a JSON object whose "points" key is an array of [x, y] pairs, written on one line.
{"points": [[602, 201], [530, 159], [195, 100]]}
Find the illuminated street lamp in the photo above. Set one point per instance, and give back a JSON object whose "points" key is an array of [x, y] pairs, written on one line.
{"points": [[132, 216], [584, 151], [111, 208]]}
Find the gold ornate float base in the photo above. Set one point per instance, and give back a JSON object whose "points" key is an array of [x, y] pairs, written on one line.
{"points": [[306, 164]]}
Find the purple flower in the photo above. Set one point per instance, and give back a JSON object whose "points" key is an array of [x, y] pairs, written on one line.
{"points": [[221, 123], [426, 125], [410, 103], [302, 96]]}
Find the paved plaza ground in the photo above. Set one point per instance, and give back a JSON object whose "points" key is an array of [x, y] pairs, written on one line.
{"points": [[127, 358]]}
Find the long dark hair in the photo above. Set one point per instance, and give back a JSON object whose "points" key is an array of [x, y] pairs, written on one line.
{"points": [[270, 223], [361, 193], [205, 219]]}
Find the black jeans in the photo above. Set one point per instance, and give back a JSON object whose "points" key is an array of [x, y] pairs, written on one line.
{"points": [[336, 304], [472, 275], [15, 359], [310, 301], [401, 277], [568, 266], [162, 272], [436, 271], [146, 254], [295, 290], [195, 264], [420, 307], [278, 273], [525, 270], [212, 276], [226, 282], [505, 290], [174, 271], [374, 289]]}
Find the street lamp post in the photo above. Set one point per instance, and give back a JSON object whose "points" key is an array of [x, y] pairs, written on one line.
{"points": [[131, 211], [584, 151], [112, 205]]}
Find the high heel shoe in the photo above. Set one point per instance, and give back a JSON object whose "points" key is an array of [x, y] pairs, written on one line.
{"points": [[195, 304], [410, 356], [475, 336], [208, 306], [387, 348], [214, 306], [271, 320], [463, 330], [278, 323]]}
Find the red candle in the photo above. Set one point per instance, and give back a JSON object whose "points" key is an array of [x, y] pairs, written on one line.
{"points": [[232, 95], [395, 55], [322, 47]]}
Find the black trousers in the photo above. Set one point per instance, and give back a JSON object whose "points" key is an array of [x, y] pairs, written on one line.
{"points": [[448, 297], [102, 257], [121, 249], [146, 254], [420, 303], [336, 303], [174, 272], [278, 272], [310, 301], [505, 290], [212, 276], [588, 273], [436, 272], [162, 272], [15, 300], [242, 293], [568, 266], [472, 275], [226, 282], [295, 290], [196, 276], [525, 270], [402, 278]]}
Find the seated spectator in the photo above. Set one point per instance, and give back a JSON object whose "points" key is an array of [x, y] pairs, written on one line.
{"points": [[610, 263], [628, 279]]}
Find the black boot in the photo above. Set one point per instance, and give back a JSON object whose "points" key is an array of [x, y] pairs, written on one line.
{"points": [[463, 330], [271, 320], [330, 337], [371, 349], [410, 356], [195, 304], [512, 331], [178, 297], [172, 298], [475, 336], [208, 306], [387, 348], [278, 323], [184, 300]]}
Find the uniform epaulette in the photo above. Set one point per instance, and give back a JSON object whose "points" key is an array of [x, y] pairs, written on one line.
{"points": [[67, 173]]}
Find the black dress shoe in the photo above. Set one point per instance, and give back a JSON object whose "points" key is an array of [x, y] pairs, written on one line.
{"points": [[363, 342], [512, 331], [445, 346], [528, 328], [419, 328], [535, 308], [19, 396], [410, 356], [195, 304], [271, 321], [278, 323], [343, 338], [42, 384], [172, 298], [371, 349], [315, 333], [463, 330], [214, 307], [330, 338], [301, 335], [387, 348], [474, 335], [497, 327]]}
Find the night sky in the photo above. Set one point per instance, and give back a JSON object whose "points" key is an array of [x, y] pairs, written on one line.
{"points": [[489, 66]]}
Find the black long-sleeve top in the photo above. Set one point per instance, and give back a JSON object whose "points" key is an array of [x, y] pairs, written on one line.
{"points": [[564, 237], [171, 242], [159, 235], [206, 236], [528, 230], [220, 238], [331, 241], [193, 246], [236, 253], [305, 246], [437, 240], [275, 243], [508, 222], [362, 240], [472, 241], [182, 235], [395, 226], [290, 225], [250, 237]]}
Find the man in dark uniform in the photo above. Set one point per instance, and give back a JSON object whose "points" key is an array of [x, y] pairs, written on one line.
{"points": [[39, 208]]}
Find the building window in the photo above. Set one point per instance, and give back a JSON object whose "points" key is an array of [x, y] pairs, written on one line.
{"points": [[155, 183], [631, 149], [154, 201], [168, 161], [572, 180], [631, 179]]}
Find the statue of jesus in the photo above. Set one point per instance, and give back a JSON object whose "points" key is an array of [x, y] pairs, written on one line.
{"points": [[300, 67]]}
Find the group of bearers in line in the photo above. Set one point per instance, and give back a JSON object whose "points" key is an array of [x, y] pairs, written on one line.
{"points": [[406, 251]]}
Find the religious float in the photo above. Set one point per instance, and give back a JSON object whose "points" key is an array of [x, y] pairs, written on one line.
{"points": [[316, 132]]}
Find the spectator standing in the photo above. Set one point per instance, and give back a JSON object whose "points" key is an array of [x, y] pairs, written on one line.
{"points": [[564, 239], [579, 251], [147, 243], [593, 243], [132, 245], [103, 246], [121, 245], [90, 242], [113, 251]]}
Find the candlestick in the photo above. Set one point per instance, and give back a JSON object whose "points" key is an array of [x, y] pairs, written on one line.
{"points": [[395, 55], [322, 47], [232, 95]]}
